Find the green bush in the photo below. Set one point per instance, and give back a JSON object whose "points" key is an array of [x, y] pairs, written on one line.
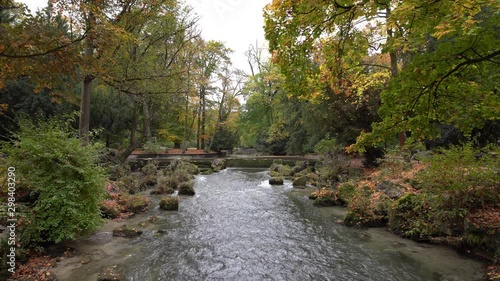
{"points": [[346, 192], [365, 210], [52, 163], [463, 177], [411, 217]]}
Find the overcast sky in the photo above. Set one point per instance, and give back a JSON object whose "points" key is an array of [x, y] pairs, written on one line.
{"points": [[237, 23]]}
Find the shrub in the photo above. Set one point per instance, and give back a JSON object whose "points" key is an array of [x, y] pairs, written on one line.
{"points": [[130, 183], [365, 209], [346, 192], [166, 185], [54, 164], [464, 177], [395, 162], [150, 169], [325, 197], [410, 216]]}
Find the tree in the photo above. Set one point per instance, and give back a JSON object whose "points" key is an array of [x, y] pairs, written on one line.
{"points": [[211, 55], [336, 42]]}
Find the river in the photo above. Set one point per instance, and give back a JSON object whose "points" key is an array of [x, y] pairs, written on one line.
{"points": [[238, 227]]}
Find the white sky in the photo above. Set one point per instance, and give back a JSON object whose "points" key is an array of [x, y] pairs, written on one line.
{"points": [[237, 23]]}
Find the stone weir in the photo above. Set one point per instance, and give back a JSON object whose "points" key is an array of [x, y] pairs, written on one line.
{"points": [[203, 159]]}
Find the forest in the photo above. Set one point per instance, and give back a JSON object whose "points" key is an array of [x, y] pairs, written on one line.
{"points": [[410, 88]]}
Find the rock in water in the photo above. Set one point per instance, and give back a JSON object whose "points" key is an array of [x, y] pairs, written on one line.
{"points": [[169, 204], [276, 181]]}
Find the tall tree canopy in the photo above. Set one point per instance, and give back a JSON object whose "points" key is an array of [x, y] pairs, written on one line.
{"points": [[437, 62]]}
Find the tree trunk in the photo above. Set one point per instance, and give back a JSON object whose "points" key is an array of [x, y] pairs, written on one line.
{"points": [[133, 125], [198, 129], [219, 119], [394, 69], [84, 125], [146, 120], [203, 119]]}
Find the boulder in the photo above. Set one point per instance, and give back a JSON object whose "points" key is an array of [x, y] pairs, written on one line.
{"points": [[218, 165], [390, 189], [169, 203], [276, 181]]}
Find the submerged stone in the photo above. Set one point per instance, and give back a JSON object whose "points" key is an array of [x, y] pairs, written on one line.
{"points": [[111, 273], [126, 232]]}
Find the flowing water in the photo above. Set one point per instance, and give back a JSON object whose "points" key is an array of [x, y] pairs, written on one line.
{"points": [[238, 227]]}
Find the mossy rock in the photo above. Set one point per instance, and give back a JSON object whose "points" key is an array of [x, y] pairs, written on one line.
{"points": [[274, 174], [218, 165], [126, 232], [181, 175], [186, 188], [382, 206], [300, 181], [276, 181], [169, 203]]}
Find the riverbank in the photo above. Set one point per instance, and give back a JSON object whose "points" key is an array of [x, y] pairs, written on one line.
{"points": [[448, 199]]}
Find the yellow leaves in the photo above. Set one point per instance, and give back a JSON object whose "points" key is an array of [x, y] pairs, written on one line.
{"points": [[3, 108]]}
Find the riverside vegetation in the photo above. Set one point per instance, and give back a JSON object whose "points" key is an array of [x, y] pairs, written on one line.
{"points": [[49, 210], [448, 196]]}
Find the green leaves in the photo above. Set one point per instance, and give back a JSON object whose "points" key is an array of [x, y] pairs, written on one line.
{"points": [[70, 185]]}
